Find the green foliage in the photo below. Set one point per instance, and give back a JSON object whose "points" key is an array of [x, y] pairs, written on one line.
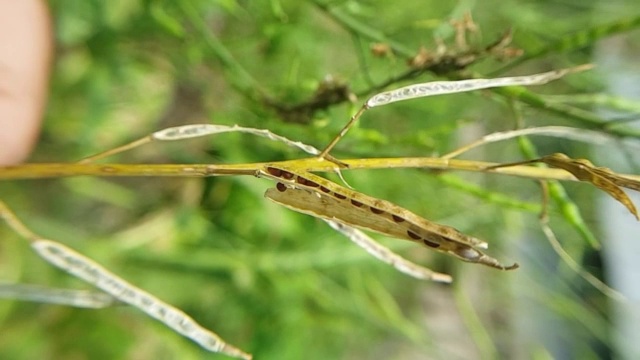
{"points": [[272, 282]]}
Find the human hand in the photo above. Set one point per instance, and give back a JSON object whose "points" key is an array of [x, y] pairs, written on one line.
{"points": [[25, 57]]}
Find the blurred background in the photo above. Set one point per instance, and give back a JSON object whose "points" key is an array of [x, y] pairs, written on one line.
{"points": [[282, 285]]}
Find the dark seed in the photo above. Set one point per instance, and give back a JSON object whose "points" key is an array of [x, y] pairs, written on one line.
{"points": [[287, 175], [397, 218], [376, 210], [310, 183], [273, 171], [430, 244]]}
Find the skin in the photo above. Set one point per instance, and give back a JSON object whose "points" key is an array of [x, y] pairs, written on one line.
{"points": [[25, 58]]}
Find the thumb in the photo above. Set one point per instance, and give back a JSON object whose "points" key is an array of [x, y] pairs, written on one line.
{"points": [[25, 56]]}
